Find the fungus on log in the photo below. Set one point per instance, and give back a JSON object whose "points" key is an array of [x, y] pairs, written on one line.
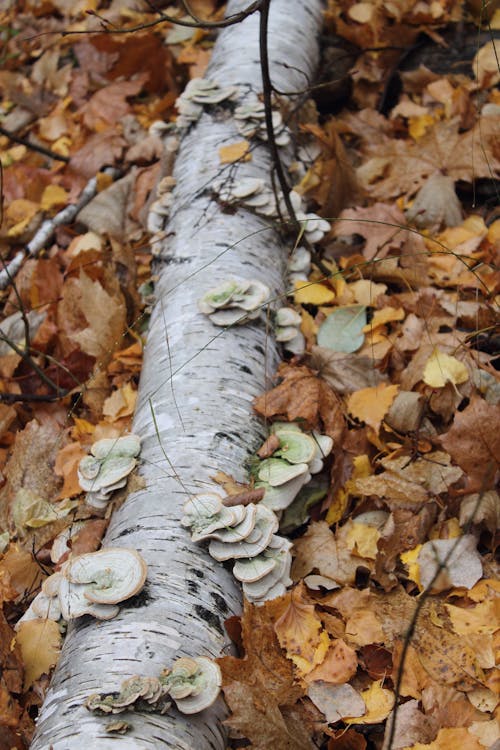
{"points": [[199, 381]]}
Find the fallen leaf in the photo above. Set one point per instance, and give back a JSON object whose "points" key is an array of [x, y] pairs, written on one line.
{"points": [[370, 405], [54, 197], [342, 331], [441, 369], [411, 726], [66, 466], [345, 372], [339, 665], [40, 643], [473, 441], [382, 226], [320, 548], [379, 703], [313, 293], [336, 701], [120, 404], [302, 395], [458, 737], [299, 628], [444, 563], [235, 152]]}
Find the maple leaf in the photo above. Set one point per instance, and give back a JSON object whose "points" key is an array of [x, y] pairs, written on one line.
{"points": [[473, 441], [302, 395], [259, 686]]}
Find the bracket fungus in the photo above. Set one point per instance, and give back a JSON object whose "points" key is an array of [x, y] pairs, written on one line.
{"points": [[251, 192], [234, 302], [90, 584], [281, 476], [193, 683], [107, 468], [246, 534], [250, 119], [287, 330], [299, 265], [200, 92]]}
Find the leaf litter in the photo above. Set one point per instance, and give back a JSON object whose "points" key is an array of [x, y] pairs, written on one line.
{"points": [[388, 631]]}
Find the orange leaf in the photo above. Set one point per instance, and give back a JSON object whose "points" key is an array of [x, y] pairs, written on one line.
{"points": [[235, 152]]}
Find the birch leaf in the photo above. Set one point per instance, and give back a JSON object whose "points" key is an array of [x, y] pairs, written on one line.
{"points": [[370, 405], [441, 369], [379, 703]]}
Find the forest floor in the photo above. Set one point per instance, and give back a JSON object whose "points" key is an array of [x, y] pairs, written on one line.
{"points": [[395, 583]]}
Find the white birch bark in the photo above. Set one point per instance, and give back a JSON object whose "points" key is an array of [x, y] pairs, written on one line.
{"points": [[200, 381]]}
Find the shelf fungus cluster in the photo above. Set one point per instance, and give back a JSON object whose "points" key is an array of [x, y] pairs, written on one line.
{"points": [[198, 93], [234, 302], [287, 330], [246, 534], [290, 457], [91, 584], [250, 119], [193, 683], [107, 468], [250, 192]]}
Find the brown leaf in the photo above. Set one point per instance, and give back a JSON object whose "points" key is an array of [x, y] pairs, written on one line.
{"points": [[302, 395], [257, 687], [339, 665], [298, 628], [101, 149], [473, 442], [109, 104], [382, 226], [320, 548], [343, 372]]}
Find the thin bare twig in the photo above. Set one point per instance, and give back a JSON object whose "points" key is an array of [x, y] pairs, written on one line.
{"points": [[33, 146]]}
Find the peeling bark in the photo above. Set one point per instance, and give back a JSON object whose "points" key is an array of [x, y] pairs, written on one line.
{"points": [[200, 381]]}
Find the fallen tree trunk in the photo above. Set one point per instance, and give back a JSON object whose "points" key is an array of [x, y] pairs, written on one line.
{"points": [[200, 382]]}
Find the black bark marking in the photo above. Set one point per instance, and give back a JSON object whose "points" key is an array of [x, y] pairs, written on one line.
{"points": [[209, 617], [220, 602]]}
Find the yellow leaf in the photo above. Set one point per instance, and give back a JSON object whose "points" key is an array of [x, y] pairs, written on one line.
{"points": [[482, 619], [456, 737], [370, 405], [121, 403], [312, 293], [361, 469], [381, 317], [362, 540], [40, 643], [419, 125], [235, 152], [54, 196], [337, 508], [300, 632], [441, 368], [410, 560], [379, 704]]}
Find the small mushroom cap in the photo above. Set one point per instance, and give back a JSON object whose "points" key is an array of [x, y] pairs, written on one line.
{"points": [[231, 317], [255, 296], [208, 689], [128, 445], [247, 186], [287, 316], [300, 260], [285, 334], [259, 590], [277, 471], [296, 345], [279, 498], [110, 575], [295, 447], [251, 569], [252, 545], [235, 533]]}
